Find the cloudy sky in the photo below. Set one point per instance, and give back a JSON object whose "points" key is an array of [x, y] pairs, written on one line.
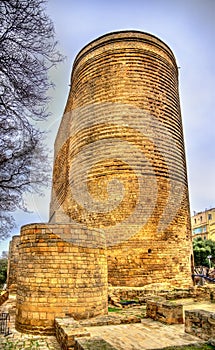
{"points": [[188, 28]]}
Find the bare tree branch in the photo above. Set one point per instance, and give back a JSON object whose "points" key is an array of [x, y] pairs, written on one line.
{"points": [[27, 51]]}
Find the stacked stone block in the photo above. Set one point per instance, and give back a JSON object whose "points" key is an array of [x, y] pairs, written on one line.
{"points": [[57, 278], [67, 330], [164, 311], [200, 323]]}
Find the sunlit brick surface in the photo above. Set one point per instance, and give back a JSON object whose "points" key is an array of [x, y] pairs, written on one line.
{"points": [[56, 278], [120, 162]]}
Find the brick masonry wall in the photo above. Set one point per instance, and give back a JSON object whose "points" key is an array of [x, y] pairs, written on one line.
{"points": [[13, 260], [120, 161], [57, 278]]}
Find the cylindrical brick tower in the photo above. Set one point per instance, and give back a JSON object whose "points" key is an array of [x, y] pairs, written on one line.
{"points": [[59, 279], [120, 161]]}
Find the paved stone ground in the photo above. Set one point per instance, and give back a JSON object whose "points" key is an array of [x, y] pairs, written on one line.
{"points": [[18, 339], [146, 335], [150, 334]]}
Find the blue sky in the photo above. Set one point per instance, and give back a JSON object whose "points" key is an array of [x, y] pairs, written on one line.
{"points": [[188, 27]]}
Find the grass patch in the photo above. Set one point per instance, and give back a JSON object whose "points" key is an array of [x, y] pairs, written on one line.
{"points": [[136, 300], [114, 309], [129, 302], [29, 344]]}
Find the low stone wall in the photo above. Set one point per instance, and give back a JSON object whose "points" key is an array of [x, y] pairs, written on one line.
{"points": [[202, 293], [3, 297], [164, 311], [141, 294], [200, 323]]}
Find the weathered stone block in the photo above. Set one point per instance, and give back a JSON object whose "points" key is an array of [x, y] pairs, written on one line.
{"points": [[200, 323], [66, 330], [167, 312]]}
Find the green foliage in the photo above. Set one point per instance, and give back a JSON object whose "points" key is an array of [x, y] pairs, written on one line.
{"points": [[202, 249], [3, 271]]}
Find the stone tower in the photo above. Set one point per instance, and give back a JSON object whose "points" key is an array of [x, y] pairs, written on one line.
{"points": [[12, 268], [119, 159]]}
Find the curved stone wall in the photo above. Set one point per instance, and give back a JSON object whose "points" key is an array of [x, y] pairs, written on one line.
{"points": [[57, 278], [120, 161], [13, 259]]}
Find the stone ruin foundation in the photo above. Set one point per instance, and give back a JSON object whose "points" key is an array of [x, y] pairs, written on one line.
{"points": [[119, 210]]}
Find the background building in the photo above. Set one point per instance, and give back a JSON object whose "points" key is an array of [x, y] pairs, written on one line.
{"points": [[203, 224]]}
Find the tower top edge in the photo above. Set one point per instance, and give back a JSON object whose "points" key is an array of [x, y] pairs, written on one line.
{"points": [[123, 35]]}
